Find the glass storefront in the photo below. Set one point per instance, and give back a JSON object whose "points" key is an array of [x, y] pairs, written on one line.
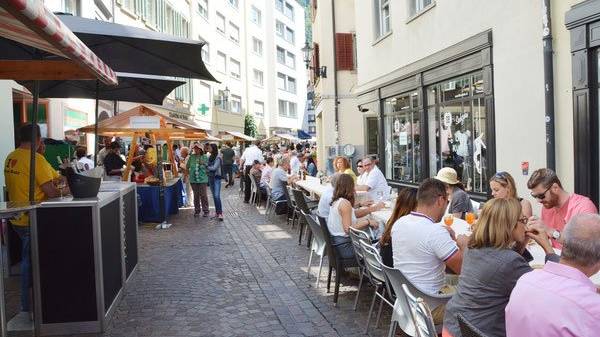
{"points": [[457, 130]]}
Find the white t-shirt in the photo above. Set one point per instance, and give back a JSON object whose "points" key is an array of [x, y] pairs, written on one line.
{"points": [[377, 183], [334, 221], [420, 248], [251, 154], [86, 161], [295, 165], [362, 179], [324, 202]]}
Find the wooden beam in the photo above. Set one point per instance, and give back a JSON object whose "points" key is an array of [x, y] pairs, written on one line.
{"points": [[43, 70], [171, 156], [132, 148]]}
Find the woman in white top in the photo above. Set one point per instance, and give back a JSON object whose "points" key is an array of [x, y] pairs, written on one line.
{"points": [[342, 217]]}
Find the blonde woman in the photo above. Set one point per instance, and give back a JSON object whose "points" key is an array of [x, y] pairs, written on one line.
{"points": [[503, 186], [342, 165], [492, 264]]}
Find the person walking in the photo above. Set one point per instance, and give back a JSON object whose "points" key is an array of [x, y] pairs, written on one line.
{"points": [[228, 154], [185, 157], [250, 154], [215, 172], [196, 168]]}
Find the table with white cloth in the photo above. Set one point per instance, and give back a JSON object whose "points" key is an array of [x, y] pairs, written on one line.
{"points": [[313, 186]]}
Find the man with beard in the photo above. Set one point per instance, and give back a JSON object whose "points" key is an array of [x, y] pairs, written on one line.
{"points": [[559, 205]]}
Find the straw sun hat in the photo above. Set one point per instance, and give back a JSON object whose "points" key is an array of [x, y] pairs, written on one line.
{"points": [[447, 175]]}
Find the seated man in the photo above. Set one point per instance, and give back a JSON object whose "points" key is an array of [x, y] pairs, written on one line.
{"points": [[279, 181], [256, 171], [375, 183], [560, 299], [422, 248]]}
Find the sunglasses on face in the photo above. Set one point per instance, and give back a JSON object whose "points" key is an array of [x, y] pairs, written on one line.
{"points": [[523, 220], [359, 166], [541, 196]]}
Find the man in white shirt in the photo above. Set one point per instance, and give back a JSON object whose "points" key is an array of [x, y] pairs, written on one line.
{"points": [[422, 248], [374, 183], [250, 154], [295, 163]]}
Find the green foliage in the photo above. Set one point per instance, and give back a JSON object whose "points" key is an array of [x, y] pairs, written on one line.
{"points": [[249, 126]]}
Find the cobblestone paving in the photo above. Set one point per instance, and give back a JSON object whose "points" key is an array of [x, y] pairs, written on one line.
{"points": [[245, 276]]}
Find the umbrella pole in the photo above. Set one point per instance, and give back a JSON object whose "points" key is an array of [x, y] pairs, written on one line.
{"points": [[33, 140], [96, 145]]}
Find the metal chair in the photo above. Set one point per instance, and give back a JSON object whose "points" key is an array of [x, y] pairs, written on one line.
{"points": [[291, 203], [356, 236], [318, 245], [402, 315], [255, 194], [271, 204], [421, 314], [301, 206], [467, 329], [335, 262], [377, 278]]}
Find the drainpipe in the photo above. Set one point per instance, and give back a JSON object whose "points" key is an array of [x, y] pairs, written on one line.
{"points": [[335, 79], [548, 85]]}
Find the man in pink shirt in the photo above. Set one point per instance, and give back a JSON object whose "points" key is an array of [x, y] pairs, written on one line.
{"points": [[559, 205], [560, 300]]}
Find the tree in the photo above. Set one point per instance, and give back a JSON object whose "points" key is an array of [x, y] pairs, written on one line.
{"points": [[249, 126]]}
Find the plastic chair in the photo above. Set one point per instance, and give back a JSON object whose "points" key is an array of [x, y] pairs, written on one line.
{"points": [[255, 195], [467, 329], [377, 278], [291, 203], [301, 206], [402, 313], [356, 236], [421, 314], [318, 244], [271, 204], [335, 262]]}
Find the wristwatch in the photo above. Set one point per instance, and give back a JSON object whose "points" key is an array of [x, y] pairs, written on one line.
{"points": [[556, 235]]}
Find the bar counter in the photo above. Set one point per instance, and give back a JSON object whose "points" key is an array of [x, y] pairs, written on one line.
{"points": [[83, 252]]}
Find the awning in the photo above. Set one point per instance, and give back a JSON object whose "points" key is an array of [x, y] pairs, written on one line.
{"points": [[30, 23], [303, 135], [131, 88], [234, 135]]}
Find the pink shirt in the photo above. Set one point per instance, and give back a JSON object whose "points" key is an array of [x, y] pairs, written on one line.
{"points": [[557, 218], [557, 300]]}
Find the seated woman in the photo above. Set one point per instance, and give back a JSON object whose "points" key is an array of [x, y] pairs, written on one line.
{"points": [[460, 202], [342, 217], [492, 264], [342, 165], [405, 203], [503, 185]]}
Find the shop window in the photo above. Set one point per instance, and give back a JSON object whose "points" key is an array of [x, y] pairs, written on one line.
{"points": [[457, 130], [403, 139]]}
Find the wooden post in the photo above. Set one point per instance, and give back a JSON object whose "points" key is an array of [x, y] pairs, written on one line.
{"points": [[171, 157], [130, 157]]}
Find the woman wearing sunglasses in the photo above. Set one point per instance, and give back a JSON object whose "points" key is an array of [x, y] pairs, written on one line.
{"points": [[503, 186], [491, 266]]}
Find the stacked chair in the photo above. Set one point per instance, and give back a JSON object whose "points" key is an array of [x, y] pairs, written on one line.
{"points": [[318, 244]]}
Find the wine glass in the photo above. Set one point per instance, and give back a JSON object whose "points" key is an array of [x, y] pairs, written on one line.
{"points": [[470, 218], [448, 219]]}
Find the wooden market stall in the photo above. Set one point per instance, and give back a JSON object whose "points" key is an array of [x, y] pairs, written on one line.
{"points": [[235, 136]]}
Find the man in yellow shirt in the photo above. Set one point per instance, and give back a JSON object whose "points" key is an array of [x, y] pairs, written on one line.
{"points": [[16, 175]]}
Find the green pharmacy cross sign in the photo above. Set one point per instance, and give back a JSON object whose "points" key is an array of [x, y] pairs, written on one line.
{"points": [[203, 109]]}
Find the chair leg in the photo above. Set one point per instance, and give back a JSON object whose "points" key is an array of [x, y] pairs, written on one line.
{"points": [[301, 224], [361, 276], [371, 309], [336, 291], [309, 239], [392, 330], [329, 280], [379, 311], [309, 263], [319, 273]]}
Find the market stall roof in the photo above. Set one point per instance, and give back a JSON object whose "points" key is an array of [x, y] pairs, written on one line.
{"points": [[281, 137], [124, 47], [33, 37], [236, 136], [143, 119], [131, 88]]}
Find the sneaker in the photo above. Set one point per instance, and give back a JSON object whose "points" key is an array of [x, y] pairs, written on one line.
{"points": [[220, 216]]}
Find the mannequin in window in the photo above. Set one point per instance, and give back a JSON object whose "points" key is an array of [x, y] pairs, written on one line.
{"points": [[479, 158]]}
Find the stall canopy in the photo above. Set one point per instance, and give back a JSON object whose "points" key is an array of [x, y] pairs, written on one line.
{"points": [[281, 138], [235, 136], [124, 47], [143, 119], [36, 45], [303, 135], [131, 88]]}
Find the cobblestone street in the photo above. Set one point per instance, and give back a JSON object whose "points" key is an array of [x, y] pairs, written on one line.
{"points": [[241, 277]]}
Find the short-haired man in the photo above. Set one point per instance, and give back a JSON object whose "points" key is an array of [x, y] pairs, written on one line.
{"points": [[560, 299], [422, 248], [559, 205], [375, 183], [250, 154], [295, 164], [228, 156], [279, 181], [113, 163], [16, 175]]}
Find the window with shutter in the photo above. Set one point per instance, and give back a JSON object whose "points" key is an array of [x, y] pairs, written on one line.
{"points": [[344, 46], [316, 63]]}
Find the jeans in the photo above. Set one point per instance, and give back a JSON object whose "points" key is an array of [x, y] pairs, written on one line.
{"points": [[228, 174], [24, 235], [215, 189]]}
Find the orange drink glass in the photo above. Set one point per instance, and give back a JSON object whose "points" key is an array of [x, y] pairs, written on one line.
{"points": [[470, 218], [448, 219]]}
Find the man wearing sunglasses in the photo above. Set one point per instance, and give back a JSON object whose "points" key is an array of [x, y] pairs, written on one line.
{"points": [[559, 205]]}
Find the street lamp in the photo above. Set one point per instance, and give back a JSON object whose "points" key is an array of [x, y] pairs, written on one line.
{"points": [[223, 98], [307, 50]]}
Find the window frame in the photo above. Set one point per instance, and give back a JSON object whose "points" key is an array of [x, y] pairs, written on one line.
{"points": [[219, 17], [205, 52], [380, 20], [257, 42], [254, 110], [235, 99], [255, 72], [233, 62], [255, 10], [203, 11], [233, 28], [219, 54]]}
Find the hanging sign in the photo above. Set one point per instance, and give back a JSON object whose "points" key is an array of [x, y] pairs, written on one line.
{"points": [[447, 120], [144, 122]]}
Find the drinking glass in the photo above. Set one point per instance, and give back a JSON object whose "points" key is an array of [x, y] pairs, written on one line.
{"points": [[470, 218], [448, 219], [60, 185]]}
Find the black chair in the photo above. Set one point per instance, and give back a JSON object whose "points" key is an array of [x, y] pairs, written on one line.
{"points": [[335, 262], [291, 204], [467, 329], [302, 206]]}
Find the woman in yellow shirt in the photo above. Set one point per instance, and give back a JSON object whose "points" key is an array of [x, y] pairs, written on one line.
{"points": [[342, 165]]}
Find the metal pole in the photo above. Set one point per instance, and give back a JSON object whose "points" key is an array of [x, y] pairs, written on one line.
{"points": [[96, 145], [548, 85], [33, 140]]}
